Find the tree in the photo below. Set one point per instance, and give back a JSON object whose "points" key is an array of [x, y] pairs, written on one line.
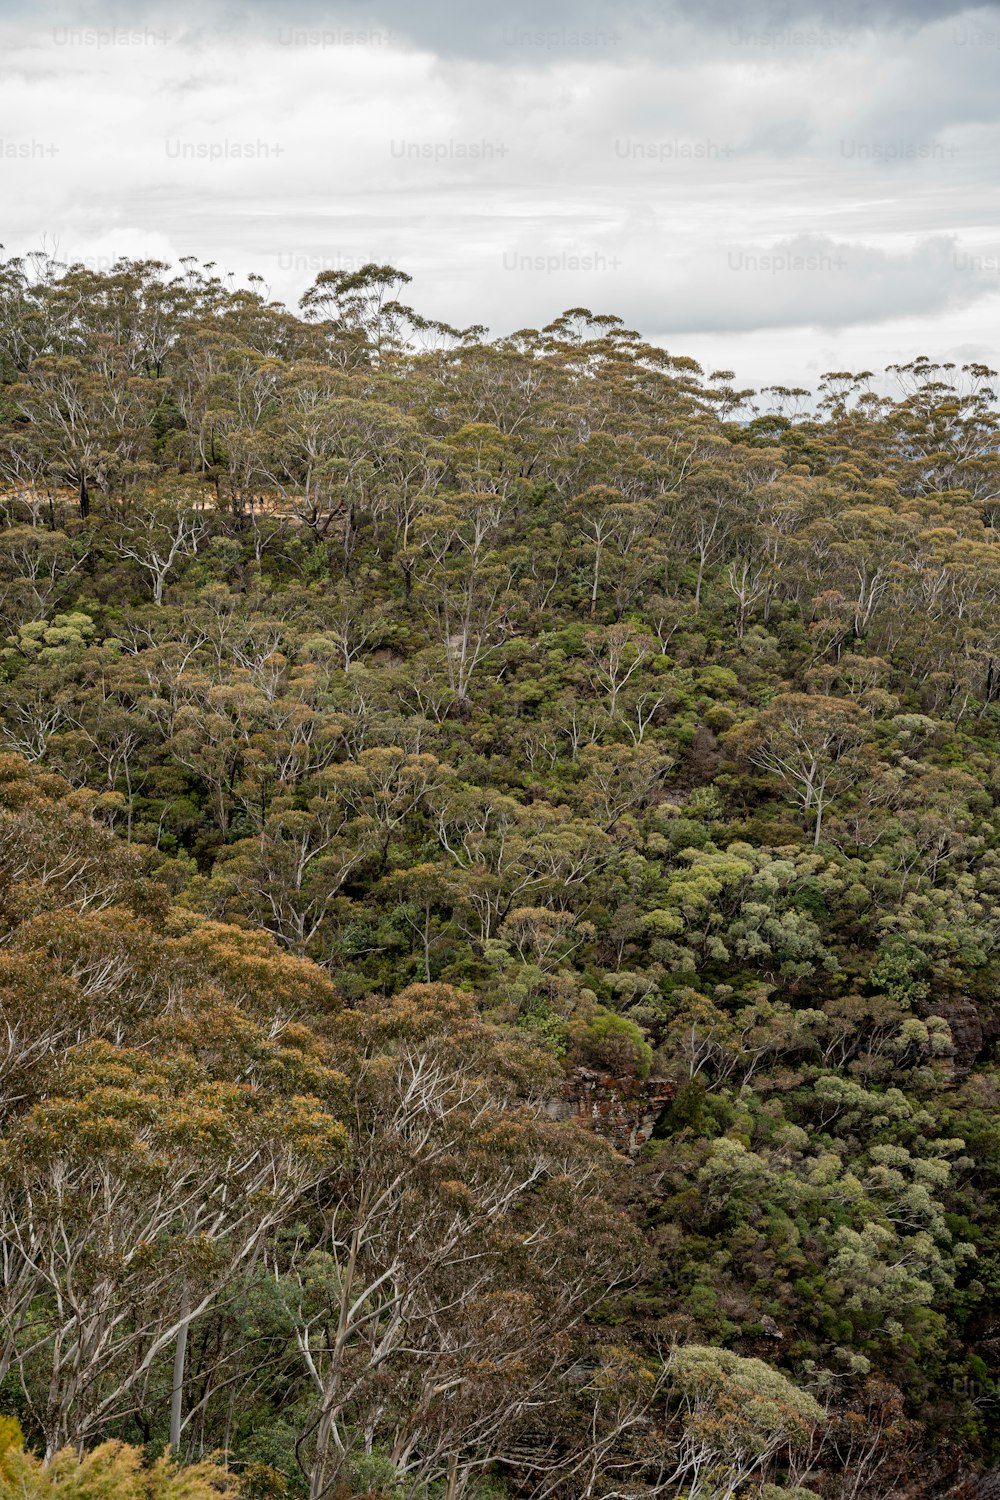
{"points": [[89, 422], [287, 877], [367, 317], [466, 588], [436, 1312], [156, 534], [732, 1417], [811, 745], [127, 1206], [112, 1469]]}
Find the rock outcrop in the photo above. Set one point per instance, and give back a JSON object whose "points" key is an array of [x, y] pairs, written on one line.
{"points": [[971, 1031], [622, 1111]]}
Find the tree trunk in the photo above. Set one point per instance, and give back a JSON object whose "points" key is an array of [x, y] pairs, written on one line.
{"points": [[177, 1389]]}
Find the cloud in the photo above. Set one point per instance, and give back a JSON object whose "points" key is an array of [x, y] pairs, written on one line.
{"points": [[518, 161], [804, 281], [815, 281], [522, 28], [605, 32]]}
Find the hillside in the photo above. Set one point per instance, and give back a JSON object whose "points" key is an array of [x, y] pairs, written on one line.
{"points": [[500, 896]]}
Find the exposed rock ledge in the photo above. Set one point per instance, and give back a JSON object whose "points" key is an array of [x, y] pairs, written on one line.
{"points": [[971, 1031], [621, 1110]]}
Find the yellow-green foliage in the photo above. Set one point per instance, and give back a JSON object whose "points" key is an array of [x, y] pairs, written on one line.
{"points": [[112, 1471]]}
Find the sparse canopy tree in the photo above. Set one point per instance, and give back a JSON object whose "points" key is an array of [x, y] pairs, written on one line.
{"points": [[811, 745]]}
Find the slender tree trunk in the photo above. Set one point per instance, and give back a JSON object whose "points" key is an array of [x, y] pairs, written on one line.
{"points": [[317, 1478], [701, 579], [177, 1389], [595, 582]]}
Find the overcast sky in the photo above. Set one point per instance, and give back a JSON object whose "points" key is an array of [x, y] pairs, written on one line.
{"points": [[777, 191]]}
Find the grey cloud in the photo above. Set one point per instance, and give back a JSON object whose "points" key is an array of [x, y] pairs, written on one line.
{"points": [[816, 281], [848, 13], [638, 176], [520, 31]]}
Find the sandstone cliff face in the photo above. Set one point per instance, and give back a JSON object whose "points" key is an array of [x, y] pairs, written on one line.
{"points": [[622, 1111], [972, 1030]]}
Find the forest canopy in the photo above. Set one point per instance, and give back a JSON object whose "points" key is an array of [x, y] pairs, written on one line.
{"points": [[500, 908]]}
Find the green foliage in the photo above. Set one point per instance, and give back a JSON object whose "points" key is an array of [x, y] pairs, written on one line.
{"points": [[380, 697], [614, 1044], [65, 636]]}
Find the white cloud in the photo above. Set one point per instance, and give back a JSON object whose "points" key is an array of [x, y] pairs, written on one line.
{"points": [[517, 163]]}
